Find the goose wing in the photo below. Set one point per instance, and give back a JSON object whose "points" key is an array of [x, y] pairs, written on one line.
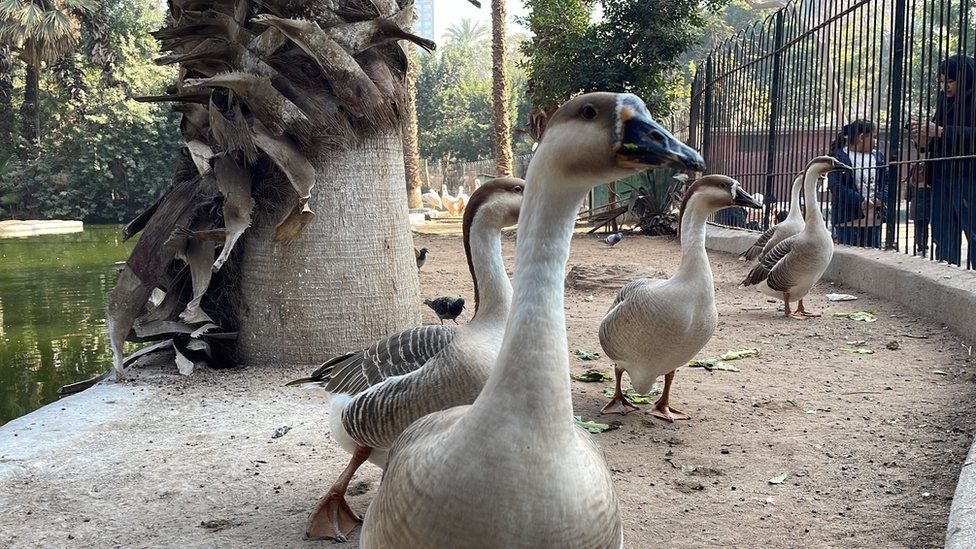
{"points": [[394, 355], [774, 267], [624, 315], [380, 414], [757, 247]]}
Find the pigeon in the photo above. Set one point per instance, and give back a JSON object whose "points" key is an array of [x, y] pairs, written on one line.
{"points": [[421, 256], [613, 239], [447, 308]]}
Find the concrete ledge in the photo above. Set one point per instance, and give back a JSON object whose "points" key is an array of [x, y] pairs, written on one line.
{"points": [[31, 438], [941, 292], [38, 227]]}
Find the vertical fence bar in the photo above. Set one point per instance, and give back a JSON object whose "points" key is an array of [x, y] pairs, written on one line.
{"points": [[775, 98], [707, 114], [895, 122]]}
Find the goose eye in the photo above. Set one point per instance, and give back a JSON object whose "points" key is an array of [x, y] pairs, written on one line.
{"points": [[588, 112], [518, 189]]}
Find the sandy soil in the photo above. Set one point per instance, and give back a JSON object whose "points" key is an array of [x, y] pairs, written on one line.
{"points": [[871, 444]]}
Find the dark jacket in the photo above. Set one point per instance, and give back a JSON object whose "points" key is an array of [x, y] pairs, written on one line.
{"points": [[957, 116], [846, 197]]}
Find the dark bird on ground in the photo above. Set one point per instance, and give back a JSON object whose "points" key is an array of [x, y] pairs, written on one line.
{"points": [[447, 308], [421, 256], [613, 239]]}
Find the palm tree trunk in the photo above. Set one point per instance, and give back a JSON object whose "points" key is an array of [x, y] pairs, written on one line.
{"points": [[29, 117], [6, 101], [499, 88], [350, 276], [411, 152]]}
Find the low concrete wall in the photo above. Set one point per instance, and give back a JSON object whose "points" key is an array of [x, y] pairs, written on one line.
{"points": [[936, 290], [31, 227]]}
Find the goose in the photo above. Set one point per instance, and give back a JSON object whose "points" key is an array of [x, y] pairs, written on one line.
{"points": [[462, 198], [793, 266], [779, 232], [450, 203], [654, 326], [511, 470], [379, 391]]}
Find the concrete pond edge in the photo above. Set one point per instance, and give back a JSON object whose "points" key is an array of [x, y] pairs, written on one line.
{"points": [[935, 290]]}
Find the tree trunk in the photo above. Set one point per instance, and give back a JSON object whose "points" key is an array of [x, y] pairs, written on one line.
{"points": [[349, 278], [29, 118], [411, 152], [6, 101], [499, 88]]}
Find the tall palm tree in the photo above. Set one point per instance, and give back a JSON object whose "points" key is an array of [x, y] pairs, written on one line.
{"points": [[6, 100], [43, 31], [467, 31], [501, 129], [287, 106]]}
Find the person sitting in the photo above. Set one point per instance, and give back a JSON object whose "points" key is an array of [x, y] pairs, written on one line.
{"points": [[857, 200]]}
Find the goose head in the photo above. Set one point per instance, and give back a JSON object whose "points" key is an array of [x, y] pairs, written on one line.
{"points": [[822, 165], [495, 203], [716, 192], [607, 136]]}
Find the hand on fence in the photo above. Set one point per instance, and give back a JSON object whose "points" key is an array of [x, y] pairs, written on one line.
{"points": [[923, 131]]}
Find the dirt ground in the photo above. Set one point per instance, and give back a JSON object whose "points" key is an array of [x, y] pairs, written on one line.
{"points": [[871, 445]]}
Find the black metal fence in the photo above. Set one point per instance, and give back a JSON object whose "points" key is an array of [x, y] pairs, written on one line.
{"points": [[779, 93]]}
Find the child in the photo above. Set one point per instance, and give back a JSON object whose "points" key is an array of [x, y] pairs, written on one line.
{"points": [[857, 199]]}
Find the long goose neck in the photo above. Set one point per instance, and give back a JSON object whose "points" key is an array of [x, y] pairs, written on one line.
{"points": [[531, 379], [694, 259], [493, 290], [795, 190], [813, 216]]}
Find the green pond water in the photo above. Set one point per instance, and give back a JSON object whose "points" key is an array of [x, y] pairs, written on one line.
{"points": [[52, 313]]}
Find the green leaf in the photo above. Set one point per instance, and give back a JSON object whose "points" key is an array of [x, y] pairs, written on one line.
{"points": [[741, 353], [858, 350], [595, 427], [713, 364], [586, 355], [778, 479], [861, 316], [590, 376], [634, 396], [588, 298]]}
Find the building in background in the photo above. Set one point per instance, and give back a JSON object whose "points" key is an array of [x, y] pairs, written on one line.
{"points": [[425, 22]]}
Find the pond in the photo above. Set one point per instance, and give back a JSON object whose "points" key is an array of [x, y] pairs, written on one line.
{"points": [[52, 313]]}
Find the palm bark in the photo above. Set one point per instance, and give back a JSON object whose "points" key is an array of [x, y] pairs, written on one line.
{"points": [[6, 101], [293, 163], [411, 150], [502, 131], [29, 115]]}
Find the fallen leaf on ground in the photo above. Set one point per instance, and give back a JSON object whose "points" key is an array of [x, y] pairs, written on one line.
{"points": [[586, 355], [841, 297], [862, 316], [740, 353], [713, 364], [634, 396], [216, 525], [939, 372], [591, 376], [858, 350], [588, 298], [856, 342], [893, 345], [778, 479], [281, 431], [595, 427]]}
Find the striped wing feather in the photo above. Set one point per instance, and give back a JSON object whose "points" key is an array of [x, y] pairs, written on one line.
{"points": [[394, 355], [757, 247], [773, 267]]}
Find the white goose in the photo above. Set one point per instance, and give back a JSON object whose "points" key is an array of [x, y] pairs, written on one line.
{"points": [[779, 232], [379, 391], [793, 266], [511, 470], [655, 325]]}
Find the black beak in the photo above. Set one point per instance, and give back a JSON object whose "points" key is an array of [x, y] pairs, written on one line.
{"points": [[840, 166], [645, 144], [745, 199]]}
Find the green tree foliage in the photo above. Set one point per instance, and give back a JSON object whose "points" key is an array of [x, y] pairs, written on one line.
{"points": [[102, 155], [634, 47], [454, 96]]}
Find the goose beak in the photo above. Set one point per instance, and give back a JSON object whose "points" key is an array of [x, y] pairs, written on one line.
{"points": [[741, 198], [840, 166], [646, 144]]}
